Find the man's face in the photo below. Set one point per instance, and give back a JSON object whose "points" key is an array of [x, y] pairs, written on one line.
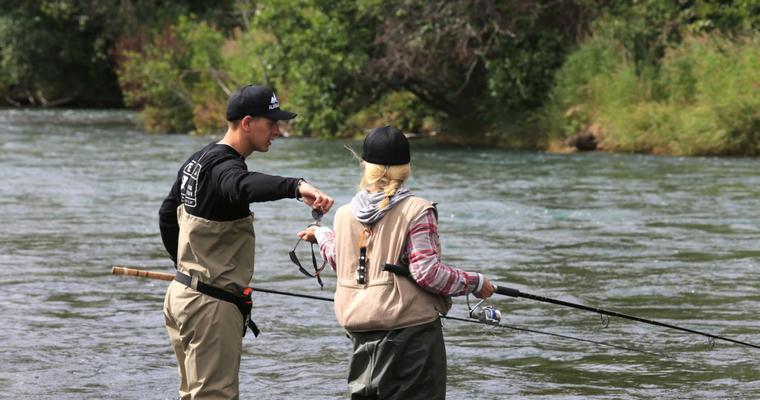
{"points": [[261, 132]]}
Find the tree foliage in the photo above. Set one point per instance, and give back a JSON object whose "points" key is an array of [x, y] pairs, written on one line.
{"points": [[318, 53], [62, 51], [464, 60], [176, 73], [45, 44], [485, 70], [464, 56]]}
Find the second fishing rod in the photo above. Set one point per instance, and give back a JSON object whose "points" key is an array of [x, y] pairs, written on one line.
{"points": [[511, 292]]}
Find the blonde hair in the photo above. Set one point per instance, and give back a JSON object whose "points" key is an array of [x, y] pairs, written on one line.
{"points": [[385, 178]]}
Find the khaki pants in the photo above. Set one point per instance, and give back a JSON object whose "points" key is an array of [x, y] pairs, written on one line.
{"points": [[206, 334], [402, 364]]}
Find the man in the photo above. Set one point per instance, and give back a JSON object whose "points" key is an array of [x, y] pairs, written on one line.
{"points": [[207, 228], [393, 321]]}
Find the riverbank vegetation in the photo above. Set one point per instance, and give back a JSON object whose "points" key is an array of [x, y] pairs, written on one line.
{"points": [[655, 88], [646, 76]]}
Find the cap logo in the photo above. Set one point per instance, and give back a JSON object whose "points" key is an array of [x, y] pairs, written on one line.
{"points": [[273, 103]]}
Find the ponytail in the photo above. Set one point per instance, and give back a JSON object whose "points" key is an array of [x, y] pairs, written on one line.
{"points": [[385, 178]]}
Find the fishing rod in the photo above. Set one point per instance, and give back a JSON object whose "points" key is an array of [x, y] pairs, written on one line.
{"points": [[481, 316], [506, 291], [163, 276]]}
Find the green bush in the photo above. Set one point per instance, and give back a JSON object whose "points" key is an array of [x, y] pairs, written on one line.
{"points": [[175, 78], [316, 52], [401, 109], [182, 78], [576, 98], [703, 99]]}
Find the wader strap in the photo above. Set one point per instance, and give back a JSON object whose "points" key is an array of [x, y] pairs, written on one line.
{"points": [[402, 270], [244, 303]]}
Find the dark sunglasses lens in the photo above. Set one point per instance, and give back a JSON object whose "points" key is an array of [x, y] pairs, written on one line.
{"points": [[294, 258]]}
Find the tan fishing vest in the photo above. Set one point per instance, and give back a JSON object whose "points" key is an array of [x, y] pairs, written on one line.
{"points": [[219, 253], [385, 301]]}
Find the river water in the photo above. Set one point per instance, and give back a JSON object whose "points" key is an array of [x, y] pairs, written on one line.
{"points": [[672, 239]]}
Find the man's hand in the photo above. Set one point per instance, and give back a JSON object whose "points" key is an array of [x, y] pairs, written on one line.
{"points": [[486, 291], [314, 197], [308, 234]]}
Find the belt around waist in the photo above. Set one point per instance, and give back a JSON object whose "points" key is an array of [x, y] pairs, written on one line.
{"points": [[243, 302], [212, 291]]}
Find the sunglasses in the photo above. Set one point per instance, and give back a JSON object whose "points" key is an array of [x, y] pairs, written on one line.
{"points": [[317, 271]]}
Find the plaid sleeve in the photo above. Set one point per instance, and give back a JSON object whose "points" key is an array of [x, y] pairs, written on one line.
{"points": [[425, 263], [326, 240]]}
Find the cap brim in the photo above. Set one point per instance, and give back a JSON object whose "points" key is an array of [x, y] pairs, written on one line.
{"points": [[280, 114]]}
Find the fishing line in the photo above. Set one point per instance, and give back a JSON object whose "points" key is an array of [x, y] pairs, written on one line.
{"points": [[559, 335], [472, 321]]}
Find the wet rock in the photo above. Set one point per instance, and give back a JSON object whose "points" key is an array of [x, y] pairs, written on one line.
{"points": [[583, 141]]}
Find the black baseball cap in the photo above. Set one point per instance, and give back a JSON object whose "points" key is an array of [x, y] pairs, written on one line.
{"points": [[386, 146], [256, 101]]}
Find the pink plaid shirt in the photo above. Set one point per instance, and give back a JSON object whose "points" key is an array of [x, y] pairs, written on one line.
{"points": [[425, 263]]}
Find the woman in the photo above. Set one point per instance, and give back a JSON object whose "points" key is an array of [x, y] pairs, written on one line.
{"points": [[392, 320]]}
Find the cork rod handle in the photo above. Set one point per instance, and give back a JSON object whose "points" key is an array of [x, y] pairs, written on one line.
{"points": [[142, 273]]}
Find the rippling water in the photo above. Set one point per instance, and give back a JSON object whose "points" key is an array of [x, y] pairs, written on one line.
{"points": [[673, 239]]}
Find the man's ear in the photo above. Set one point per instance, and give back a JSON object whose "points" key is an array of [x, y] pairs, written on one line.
{"points": [[246, 122]]}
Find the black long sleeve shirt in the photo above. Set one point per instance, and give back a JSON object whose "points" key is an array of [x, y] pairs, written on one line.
{"points": [[215, 184]]}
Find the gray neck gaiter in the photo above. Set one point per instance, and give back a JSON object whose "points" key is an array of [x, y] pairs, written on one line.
{"points": [[365, 204]]}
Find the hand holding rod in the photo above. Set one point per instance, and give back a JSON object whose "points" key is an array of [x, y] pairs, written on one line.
{"points": [[506, 291]]}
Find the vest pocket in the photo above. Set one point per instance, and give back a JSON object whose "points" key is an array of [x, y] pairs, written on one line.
{"points": [[351, 282]]}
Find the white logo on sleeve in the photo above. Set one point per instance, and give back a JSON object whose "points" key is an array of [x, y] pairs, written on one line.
{"points": [[273, 103], [189, 186]]}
